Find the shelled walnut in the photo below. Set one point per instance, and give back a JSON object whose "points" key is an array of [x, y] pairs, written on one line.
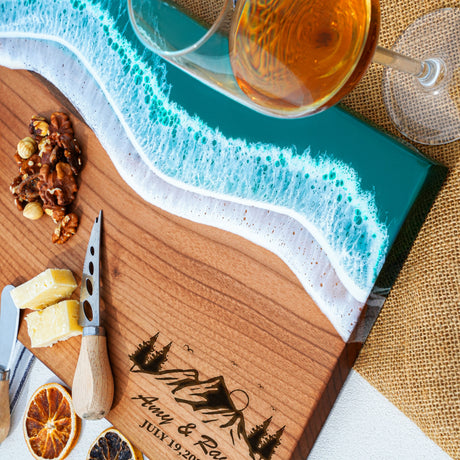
{"points": [[57, 188], [61, 133], [49, 162]]}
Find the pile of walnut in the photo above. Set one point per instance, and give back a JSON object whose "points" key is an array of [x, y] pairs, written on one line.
{"points": [[48, 165]]}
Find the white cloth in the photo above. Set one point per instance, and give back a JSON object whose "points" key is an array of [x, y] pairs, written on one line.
{"points": [[29, 375], [23, 360]]}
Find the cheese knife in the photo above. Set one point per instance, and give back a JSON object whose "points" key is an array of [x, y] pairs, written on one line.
{"points": [[92, 388], [9, 321]]}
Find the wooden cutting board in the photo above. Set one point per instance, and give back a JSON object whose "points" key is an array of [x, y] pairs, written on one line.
{"points": [[217, 351]]}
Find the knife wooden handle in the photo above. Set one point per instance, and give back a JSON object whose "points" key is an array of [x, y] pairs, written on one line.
{"points": [[4, 409], [92, 389]]}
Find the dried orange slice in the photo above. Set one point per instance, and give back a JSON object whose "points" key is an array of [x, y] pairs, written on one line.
{"points": [[51, 426], [112, 445]]}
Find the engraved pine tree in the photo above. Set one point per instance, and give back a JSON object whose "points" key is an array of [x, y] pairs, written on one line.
{"points": [[147, 358], [268, 446], [257, 433], [262, 443], [156, 360], [139, 357]]}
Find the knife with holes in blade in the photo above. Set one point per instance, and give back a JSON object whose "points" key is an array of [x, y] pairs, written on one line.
{"points": [[9, 321], [92, 388]]}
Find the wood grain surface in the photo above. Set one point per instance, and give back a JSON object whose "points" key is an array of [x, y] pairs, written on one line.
{"points": [[234, 319]]}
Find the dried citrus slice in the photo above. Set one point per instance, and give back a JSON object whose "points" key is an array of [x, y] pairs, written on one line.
{"points": [[112, 445], [51, 426]]}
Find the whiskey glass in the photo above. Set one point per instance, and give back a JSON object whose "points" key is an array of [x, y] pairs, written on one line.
{"points": [[295, 58]]}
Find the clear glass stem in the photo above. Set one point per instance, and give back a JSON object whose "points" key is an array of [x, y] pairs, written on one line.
{"points": [[429, 72]]}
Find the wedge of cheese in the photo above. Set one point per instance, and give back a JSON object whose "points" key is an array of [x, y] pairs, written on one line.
{"points": [[54, 323], [45, 289]]}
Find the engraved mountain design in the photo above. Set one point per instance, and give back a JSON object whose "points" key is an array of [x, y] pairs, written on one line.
{"points": [[210, 399]]}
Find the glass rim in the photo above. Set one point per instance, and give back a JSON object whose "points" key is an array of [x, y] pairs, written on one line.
{"points": [[183, 51]]}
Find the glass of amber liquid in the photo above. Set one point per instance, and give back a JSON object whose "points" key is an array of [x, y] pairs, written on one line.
{"points": [[295, 58]]}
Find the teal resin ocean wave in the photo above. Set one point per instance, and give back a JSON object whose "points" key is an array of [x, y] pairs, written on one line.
{"points": [[322, 193]]}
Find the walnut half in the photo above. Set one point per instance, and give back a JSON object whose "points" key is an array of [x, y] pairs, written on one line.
{"points": [[61, 133], [57, 188]]}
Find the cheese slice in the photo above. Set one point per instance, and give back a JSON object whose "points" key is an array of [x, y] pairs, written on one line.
{"points": [[54, 323], [45, 289]]}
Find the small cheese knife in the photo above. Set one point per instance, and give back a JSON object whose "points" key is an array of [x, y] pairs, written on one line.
{"points": [[9, 320], [92, 389]]}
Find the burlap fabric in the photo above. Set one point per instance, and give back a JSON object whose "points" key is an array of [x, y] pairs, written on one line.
{"points": [[412, 355], [208, 12]]}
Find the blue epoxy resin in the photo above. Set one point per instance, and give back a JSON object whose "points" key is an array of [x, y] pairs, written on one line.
{"points": [[337, 233]]}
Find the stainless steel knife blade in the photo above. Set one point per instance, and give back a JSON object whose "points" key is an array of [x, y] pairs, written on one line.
{"points": [[89, 291], [9, 321], [92, 388]]}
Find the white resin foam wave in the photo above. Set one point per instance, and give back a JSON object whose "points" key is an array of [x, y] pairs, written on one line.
{"points": [[315, 209]]}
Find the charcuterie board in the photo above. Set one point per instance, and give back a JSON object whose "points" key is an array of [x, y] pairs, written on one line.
{"points": [[217, 350]]}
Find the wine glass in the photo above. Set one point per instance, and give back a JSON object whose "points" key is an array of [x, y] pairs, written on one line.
{"points": [[294, 58]]}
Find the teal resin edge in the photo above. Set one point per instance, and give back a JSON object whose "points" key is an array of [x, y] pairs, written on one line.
{"points": [[322, 193]]}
